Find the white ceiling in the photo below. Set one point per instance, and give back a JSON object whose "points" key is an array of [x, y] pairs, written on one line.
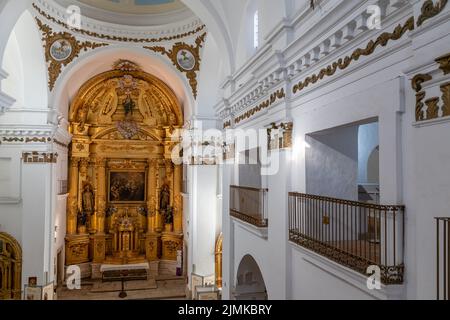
{"points": [[132, 12]]}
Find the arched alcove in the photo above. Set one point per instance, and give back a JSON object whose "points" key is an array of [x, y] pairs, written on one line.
{"points": [[250, 284]]}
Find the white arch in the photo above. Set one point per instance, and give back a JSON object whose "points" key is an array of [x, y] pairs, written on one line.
{"points": [[257, 285], [24, 58], [10, 11], [207, 11]]}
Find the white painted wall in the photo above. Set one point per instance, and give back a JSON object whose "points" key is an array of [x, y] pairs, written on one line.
{"points": [[367, 142], [332, 163]]}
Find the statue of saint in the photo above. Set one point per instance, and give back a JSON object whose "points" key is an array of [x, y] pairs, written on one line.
{"points": [[164, 199], [128, 105], [88, 199], [81, 219]]}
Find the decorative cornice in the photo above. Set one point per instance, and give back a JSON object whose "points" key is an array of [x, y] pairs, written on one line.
{"points": [[430, 10], [107, 37], [418, 80], [343, 63], [274, 97], [39, 157], [179, 51], [49, 38]]}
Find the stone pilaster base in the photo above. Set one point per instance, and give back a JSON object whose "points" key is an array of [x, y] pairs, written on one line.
{"points": [[77, 249]]}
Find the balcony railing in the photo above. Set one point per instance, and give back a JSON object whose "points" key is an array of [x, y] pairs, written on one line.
{"points": [[443, 258], [354, 234], [249, 205]]}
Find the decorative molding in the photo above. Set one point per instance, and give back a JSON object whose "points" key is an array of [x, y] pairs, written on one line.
{"points": [[430, 10], [418, 80], [343, 63], [186, 58], [27, 139], [227, 124], [274, 97], [65, 41], [5, 102], [433, 110], [118, 38], [39, 157], [444, 63]]}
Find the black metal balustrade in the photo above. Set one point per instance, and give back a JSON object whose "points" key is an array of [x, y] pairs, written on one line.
{"points": [[443, 258], [249, 205], [354, 234]]}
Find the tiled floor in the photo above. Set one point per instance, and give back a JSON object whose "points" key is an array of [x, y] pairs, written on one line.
{"points": [[154, 289]]}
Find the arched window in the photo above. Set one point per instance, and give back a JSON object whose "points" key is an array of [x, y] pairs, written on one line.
{"points": [[256, 30]]}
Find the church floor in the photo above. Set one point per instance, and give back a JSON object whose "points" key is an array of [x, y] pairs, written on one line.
{"points": [[161, 288]]}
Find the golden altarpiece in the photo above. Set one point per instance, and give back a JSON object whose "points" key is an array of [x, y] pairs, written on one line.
{"points": [[124, 203]]}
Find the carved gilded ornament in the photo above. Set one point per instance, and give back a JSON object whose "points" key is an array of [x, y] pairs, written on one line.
{"points": [[445, 89], [418, 80], [11, 273], [61, 49], [117, 38], [430, 10], [432, 110], [101, 102], [39, 157], [444, 63], [186, 58], [117, 141]]}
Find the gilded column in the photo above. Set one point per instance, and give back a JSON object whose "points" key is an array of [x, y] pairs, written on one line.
{"points": [[101, 195], [169, 178], [159, 183], [178, 204], [73, 197], [152, 194]]}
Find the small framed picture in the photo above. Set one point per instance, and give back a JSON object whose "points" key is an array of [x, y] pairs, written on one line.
{"points": [[33, 293], [47, 292], [32, 281]]}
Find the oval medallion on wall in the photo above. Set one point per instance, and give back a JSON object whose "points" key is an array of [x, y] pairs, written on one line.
{"points": [[61, 49], [186, 59]]}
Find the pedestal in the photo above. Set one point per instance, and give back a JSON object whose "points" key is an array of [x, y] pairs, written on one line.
{"points": [[99, 248], [171, 243], [77, 249]]}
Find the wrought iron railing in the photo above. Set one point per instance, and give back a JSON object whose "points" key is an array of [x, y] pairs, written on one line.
{"points": [[443, 258], [354, 234], [249, 205]]}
